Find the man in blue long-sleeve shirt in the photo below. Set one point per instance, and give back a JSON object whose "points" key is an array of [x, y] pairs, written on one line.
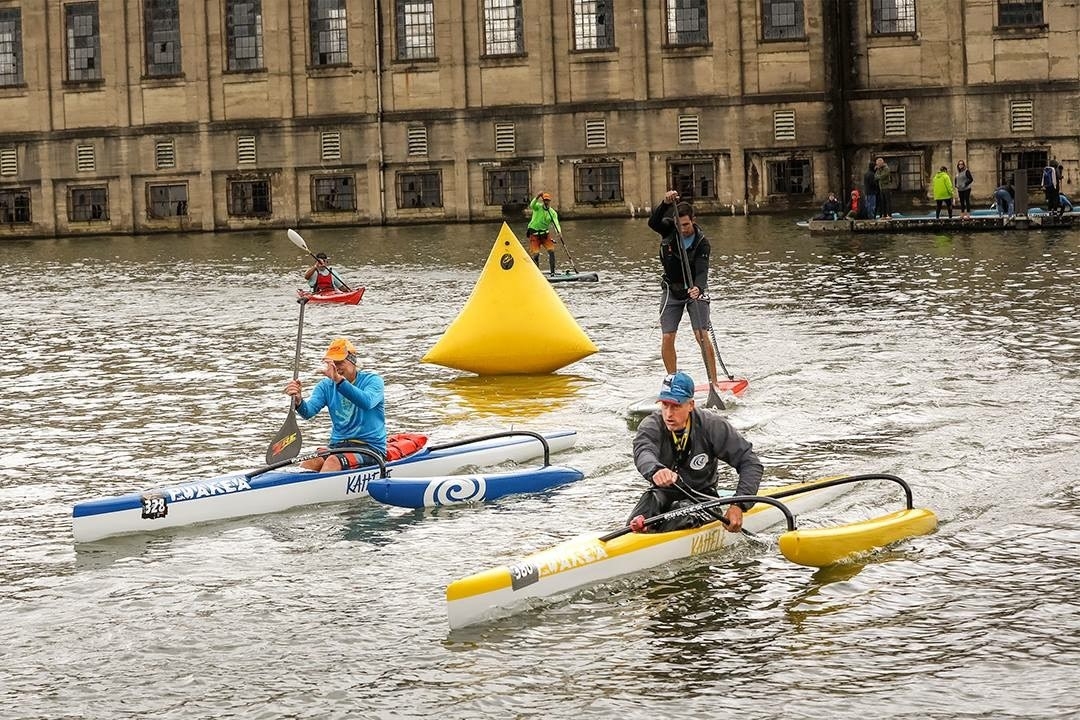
{"points": [[354, 400]]}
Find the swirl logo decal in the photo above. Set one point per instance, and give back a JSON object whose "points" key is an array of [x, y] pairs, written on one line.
{"points": [[455, 490], [699, 461], [506, 261]]}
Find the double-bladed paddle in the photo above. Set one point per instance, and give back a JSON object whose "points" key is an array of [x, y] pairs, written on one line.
{"points": [[286, 444], [298, 241]]}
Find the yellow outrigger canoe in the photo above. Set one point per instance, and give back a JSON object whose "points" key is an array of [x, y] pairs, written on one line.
{"points": [[592, 558]]}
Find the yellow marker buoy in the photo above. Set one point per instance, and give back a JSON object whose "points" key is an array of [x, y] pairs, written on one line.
{"points": [[513, 323]]}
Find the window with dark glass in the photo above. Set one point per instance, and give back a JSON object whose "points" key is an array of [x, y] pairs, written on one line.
{"points": [[329, 32], [594, 25], [419, 189], [596, 183], [789, 177], [249, 198], [507, 186], [415, 29], [694, 179], [244, 34], [14, 205], [1020, 13], [88, 203], [11, 62], [167, 200], [83, 41], [906, 171], [782, 20], [333, 193], [687, 22], [1021, 165], [503, 34], [162, 28], [892, 16]]}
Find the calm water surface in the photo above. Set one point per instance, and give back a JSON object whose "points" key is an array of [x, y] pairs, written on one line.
{"points": [[951, 361]]}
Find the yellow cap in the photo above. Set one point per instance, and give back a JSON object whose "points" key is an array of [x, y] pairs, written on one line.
{"points": [[341, 349]]}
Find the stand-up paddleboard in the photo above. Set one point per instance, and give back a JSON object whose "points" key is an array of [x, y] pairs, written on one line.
{"points": [[572, 277], [726, 389]]}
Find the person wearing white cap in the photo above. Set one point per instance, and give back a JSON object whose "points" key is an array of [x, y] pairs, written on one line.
{"points": [[678, 449], [354, 400]]}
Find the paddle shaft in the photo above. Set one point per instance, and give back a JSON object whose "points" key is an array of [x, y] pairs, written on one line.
{"points": [[688, 282], [562, 240], [299, 336], [705, 299], [286, 444]]}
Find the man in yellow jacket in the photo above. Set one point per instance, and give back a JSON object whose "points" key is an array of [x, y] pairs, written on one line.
{"points": [[943, 191]]}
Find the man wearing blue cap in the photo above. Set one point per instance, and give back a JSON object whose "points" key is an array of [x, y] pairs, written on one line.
{"points": [[677, 449]]}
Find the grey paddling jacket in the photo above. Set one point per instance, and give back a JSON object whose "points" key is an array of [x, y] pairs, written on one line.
{"points": [[712, 438]]}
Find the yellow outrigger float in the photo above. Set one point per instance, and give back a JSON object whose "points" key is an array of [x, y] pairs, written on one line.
{"points": [[592, 558]]}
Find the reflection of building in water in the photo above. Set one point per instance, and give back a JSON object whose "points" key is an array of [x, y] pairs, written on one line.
{"points": [[443, 120]]}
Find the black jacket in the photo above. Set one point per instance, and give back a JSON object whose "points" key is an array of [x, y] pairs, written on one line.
{"points": [[671, 259], [712, 438]]}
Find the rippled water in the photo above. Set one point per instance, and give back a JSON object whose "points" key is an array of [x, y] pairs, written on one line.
{"points": [[950, 361]]}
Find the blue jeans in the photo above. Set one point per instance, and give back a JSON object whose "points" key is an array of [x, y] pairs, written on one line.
{"points": [[1004, 202], [870, 201]]}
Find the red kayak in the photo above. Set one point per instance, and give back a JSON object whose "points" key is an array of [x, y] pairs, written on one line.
{"points": [[342, 297]]}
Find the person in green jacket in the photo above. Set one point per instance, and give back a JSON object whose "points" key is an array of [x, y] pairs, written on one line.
{"points": [[943, 191], [543, 217]]}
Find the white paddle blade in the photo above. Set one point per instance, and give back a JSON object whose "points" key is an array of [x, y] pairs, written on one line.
{"points": [[298, 241]]}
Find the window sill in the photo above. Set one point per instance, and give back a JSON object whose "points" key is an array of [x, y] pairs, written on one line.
{"points": [[335, 70], [83, 85], [243, 75], [774, 43], [1021, 32], [416, 64], [594, 55], [488, 61], [688, 50], [163, 80]]}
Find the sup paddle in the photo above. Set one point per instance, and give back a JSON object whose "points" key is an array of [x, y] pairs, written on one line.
{"points": [[562, 240], [286, 444], [688, 281], [298, 241]]}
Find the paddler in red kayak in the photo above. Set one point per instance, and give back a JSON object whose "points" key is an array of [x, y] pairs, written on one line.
{"points": [[321, 277]]}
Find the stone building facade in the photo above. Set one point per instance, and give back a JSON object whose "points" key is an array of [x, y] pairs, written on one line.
{"points": [[200, 115]]}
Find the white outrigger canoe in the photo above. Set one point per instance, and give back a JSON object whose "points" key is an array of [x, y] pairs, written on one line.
{"points": [[592, 558], [268, 489]]}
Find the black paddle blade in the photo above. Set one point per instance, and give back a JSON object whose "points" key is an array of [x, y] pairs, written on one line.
{"points": [[286, 444], [714, 400]]}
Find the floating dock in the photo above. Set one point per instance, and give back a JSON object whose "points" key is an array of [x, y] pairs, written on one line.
{"points": [[922, 223]]}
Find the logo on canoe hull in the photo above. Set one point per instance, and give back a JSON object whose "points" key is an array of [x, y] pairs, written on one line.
{"points": [[192, 491]]}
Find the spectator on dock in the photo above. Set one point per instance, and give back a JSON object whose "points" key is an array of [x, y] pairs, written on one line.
{"points": [[883, 176], [1051, 185], [831, 208], [1004, 199], [870, 191], [943, 191], [963, 183], [856, 207]]}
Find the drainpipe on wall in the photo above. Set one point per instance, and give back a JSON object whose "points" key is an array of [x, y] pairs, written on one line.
{"points": [[379, 110]]}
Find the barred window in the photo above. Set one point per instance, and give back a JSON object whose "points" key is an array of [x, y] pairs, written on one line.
{"points": [[415, 29], [1020, 13], [507, 186], [11, 62], [594, 25], [333, 193], [596, 183], [687, 22], [782, 20], [791, 176], [1024, 166], [503, 33], [88, 203], [167, 200], [244, 34], [161, 26], [15, 205], [249, 198], [693, 179], [892, 16], [329, 34], [419, 189], [906, 170], [83, 41]]}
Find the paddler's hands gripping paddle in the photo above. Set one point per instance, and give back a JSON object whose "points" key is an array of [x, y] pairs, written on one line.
{"points": [[299, 242], [688, 280], [286, 444]]}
